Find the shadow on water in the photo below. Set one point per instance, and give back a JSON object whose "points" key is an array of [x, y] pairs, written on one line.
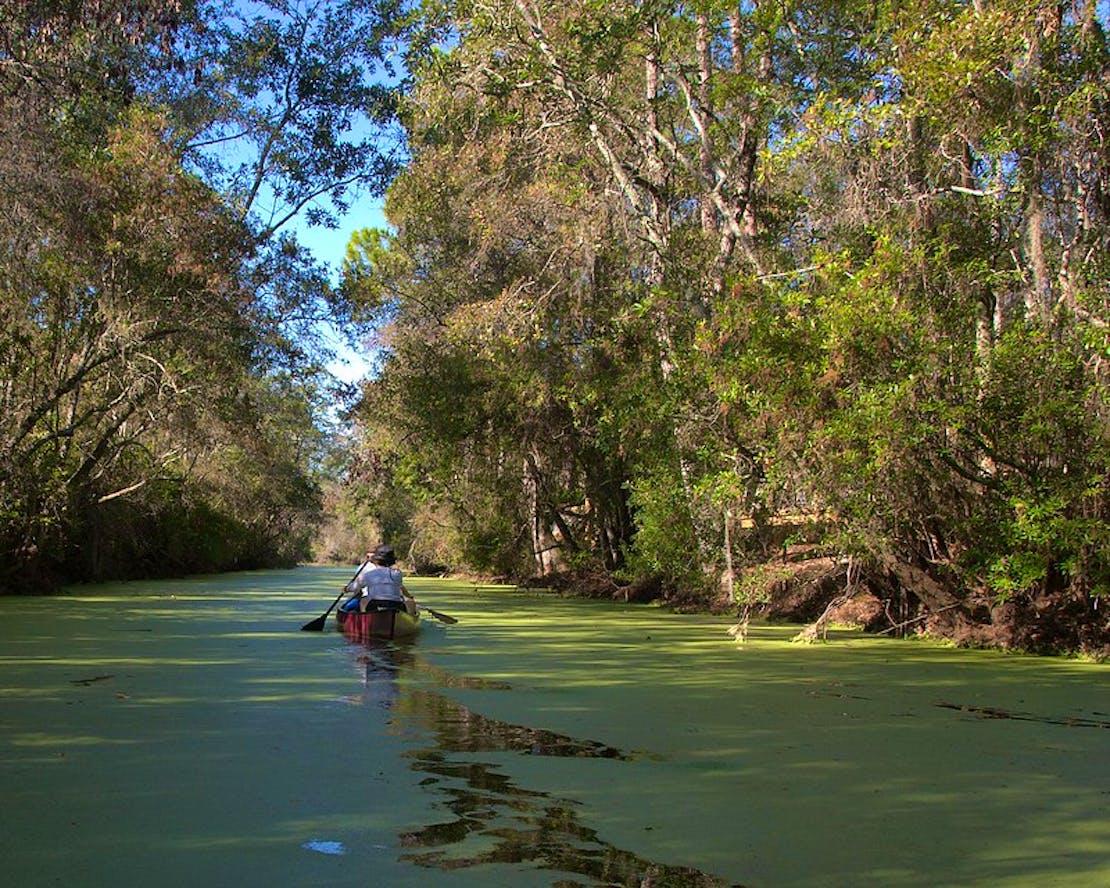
{"points": [[495, 821]]}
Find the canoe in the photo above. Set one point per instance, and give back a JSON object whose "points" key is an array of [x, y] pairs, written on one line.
{"points": [[387, 624]]}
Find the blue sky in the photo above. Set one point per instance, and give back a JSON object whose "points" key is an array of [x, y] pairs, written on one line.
{"points": [[235, 148], [329, 245]]}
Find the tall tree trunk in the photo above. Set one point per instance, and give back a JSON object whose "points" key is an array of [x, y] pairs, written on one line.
{"points": [[704, 110], [1038, 293], [547, 549]]}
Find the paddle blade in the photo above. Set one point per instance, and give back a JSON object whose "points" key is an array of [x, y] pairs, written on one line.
{"points": [[317, 625], [443, 618]]}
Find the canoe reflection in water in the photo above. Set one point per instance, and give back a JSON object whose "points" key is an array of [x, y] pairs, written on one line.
{"points": [[493, 820], [380, 665]]}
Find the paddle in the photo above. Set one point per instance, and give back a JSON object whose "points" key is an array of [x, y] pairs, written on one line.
{"points": [[318, 624], [443, 618]]}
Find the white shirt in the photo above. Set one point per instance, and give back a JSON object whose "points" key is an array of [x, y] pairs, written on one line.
{"points": [[378, 583]]}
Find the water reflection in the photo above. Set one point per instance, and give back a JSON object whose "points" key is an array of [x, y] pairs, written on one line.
{"points": [[513, 825], [495, 821], [379, 665]]}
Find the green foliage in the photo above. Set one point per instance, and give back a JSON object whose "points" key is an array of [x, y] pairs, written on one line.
{"points": [[1043, 453], [295, 96], [161, 419], [660, 271], [665, 543]]}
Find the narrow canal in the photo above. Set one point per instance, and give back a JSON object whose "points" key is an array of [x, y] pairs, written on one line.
{"points": [[187, 733]]}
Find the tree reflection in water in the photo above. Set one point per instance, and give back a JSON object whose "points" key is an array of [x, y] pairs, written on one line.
{"points": [[507, 823]]}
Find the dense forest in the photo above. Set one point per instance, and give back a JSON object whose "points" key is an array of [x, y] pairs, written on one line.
{"points": [[773, 306], [161, 356]]}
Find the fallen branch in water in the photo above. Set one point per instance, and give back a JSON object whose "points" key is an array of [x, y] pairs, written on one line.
{"points": [[993, 712], [88, 681], [740, 630]]}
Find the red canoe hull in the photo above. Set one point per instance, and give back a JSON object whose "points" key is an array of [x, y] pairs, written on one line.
{"points": [[383, 624]]}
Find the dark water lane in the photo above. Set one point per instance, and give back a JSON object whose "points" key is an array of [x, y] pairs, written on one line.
{"points": [[492, 820], [187, 733]]}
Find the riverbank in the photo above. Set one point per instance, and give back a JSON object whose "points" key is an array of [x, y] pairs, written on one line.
{"points": [[815, 590]]}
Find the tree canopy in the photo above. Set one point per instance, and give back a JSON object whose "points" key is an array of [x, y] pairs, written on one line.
{"points": [[714, 298], [161, 382], [674, 289]]}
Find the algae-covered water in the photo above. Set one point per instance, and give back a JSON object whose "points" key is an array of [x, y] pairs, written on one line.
{"points": [[187, 733]]}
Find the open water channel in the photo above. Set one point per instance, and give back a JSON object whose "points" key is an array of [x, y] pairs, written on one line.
{"points": [[187, 733]]}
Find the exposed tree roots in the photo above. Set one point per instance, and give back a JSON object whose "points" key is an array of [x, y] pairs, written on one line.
{"points": [[884, 596]]}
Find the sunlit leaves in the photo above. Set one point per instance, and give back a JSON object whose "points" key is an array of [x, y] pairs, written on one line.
{"points": [[135, 357], [291, 107], [735, 260]]}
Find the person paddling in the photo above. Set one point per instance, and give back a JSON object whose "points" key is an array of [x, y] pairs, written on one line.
{"points": [[380, 585]]}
